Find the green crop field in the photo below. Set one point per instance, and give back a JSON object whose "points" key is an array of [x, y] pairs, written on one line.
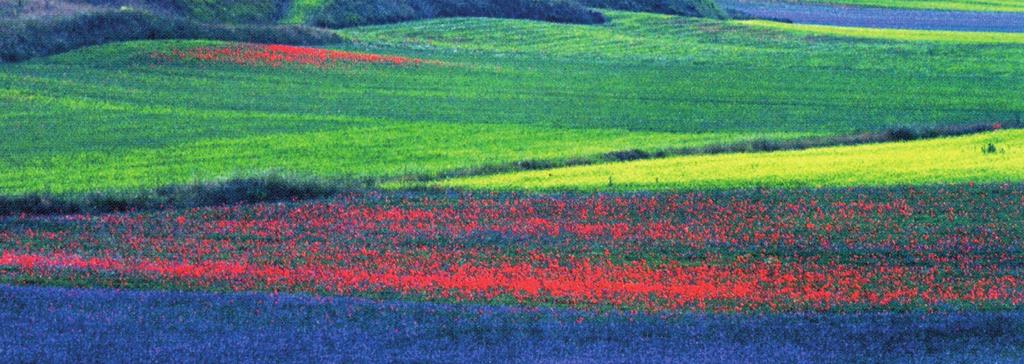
{"points": [[321, 147], [963, 5], [641, 37], [112, 117], [946, 160]]}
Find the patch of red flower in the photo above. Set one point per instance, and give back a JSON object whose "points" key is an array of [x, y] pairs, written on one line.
{"points": [[766, 251], [740, 285], [277, 55]]}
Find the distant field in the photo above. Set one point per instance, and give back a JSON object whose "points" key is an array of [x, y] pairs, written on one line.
{"points": [[642, 37], [494, 92], [946, 160], [966, 5], [893, 34]]}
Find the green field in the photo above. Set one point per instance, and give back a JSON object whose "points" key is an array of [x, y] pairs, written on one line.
{"points": [[964, 5], [111, 118], [301, 10], [944, 160]]}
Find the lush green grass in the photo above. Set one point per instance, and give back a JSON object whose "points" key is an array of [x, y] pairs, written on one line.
{"points": [[727, 72], [155, 134], [944, 160], [893, 34], [328, 147], [300, 11], [111, 117], [965, 5]]}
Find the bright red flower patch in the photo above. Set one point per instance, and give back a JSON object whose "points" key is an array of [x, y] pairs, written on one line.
{"points": [[279, 55], [742, 285], [763, 251]]}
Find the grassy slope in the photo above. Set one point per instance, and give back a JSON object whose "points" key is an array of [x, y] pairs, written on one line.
{"points": [[323, 147], [945, 160], [893, 34], [725, 74], [108, 117], [144, 126], [965, 5]]}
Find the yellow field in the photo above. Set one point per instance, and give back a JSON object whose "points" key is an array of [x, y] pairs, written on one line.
{"points": [[944, 160], [892, 34]]}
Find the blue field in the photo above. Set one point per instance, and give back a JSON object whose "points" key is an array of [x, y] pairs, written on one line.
{"points": [[97, 325]]}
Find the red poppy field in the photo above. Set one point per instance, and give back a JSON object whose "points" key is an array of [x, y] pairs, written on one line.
{"points": [[938, 248], [277, 55]]}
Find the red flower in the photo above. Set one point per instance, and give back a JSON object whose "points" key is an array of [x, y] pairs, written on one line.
{"points": [[277, 55], [762, 251]]}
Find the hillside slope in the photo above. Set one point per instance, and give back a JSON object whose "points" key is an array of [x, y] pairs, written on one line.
{"points": [[147, 114]]}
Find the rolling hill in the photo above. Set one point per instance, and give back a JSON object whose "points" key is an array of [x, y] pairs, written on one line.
{"points": [[644, 82]]}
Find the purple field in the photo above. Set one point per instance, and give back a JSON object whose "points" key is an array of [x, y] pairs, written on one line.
{"points": [[880, 17], [81, 325]]}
